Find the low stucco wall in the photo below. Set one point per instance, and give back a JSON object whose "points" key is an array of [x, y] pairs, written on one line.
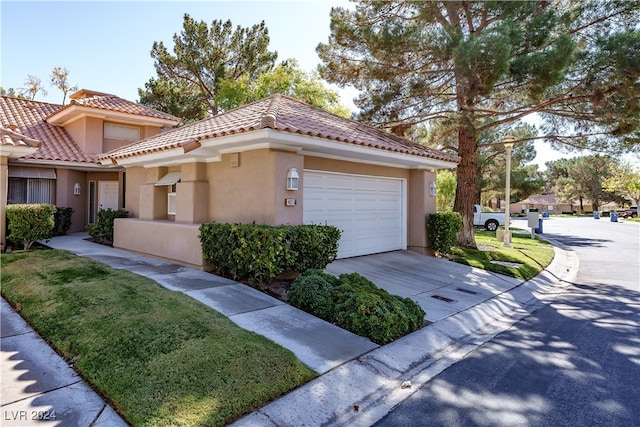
{"points": [[164, 239]]}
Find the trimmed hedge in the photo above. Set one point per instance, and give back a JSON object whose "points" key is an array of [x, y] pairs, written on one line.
{"points": [[443, 228], [259, 253], [102, 230], [29, 223], [356, 304]]}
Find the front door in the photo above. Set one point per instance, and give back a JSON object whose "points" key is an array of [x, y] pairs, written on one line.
{"points": [[108, 195]]}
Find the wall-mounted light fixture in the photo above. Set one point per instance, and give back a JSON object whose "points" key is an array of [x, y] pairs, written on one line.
{"points": [[292, 179], [76, 189], [432, 189]]}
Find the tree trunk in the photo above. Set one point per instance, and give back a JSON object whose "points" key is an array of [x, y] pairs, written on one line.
{"points": [[467, 189]]}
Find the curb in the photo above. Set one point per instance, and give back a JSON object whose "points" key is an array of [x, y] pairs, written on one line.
{"points": [[362, 391]]}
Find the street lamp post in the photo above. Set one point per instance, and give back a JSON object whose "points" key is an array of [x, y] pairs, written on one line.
{"points": [[508, 145]]}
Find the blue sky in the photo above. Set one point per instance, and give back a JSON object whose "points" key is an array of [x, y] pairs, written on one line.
{"points": [[106, 45]]}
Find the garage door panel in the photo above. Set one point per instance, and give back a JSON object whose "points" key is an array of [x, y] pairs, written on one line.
{"points": [[362, 184], [366, 204], [389, 205], [338, 183], [313, 181], [369, 211], [338, 204], [390, 186], [365, 224]]}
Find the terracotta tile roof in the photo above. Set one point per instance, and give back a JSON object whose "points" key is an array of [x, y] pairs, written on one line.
{"points": [[28, 118], [283, 114], [115, 103], [12, 138]]}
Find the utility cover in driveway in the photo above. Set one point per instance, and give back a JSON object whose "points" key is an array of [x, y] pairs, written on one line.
{"points": [[370, 211]]}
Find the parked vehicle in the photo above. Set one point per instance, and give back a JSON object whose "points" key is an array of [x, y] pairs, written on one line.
{"points": [[489, 220], [632, 212]]}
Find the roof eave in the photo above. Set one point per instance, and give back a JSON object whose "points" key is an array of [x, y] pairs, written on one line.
{"points": [[15, 152], [72, 113], [213, 148]]}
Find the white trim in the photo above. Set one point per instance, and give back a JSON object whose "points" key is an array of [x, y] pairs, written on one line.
{"points": [[213, 148], [169, 179], [14, 152], [171, 203]]}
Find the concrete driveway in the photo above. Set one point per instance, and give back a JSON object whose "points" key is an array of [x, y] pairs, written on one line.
{"points": [[439, 286]]}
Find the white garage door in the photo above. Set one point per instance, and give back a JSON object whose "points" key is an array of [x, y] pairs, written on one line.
{"points": [[370, 211]]}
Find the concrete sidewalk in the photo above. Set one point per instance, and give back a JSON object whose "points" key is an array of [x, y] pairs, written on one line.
{"points": [[362, 391], [39, 387], [466, 307]]}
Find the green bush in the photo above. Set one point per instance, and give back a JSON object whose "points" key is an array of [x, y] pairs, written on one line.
{"points": [[102, 230], [62, 220], [443, 228], [259, 253], [355, 303], [313, 292], [314, 246], [29, 223]]}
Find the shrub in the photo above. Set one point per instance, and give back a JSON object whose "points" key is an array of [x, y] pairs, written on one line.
{"points": [[259, 253], [355, 303], [313, 292], [62, 220], [369, 311], [314, 246], [443, 228], [102, 230], [29, 223]]}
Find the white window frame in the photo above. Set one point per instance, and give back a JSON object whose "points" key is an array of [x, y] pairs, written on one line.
{"points": [[125, 133], [171, 200]]}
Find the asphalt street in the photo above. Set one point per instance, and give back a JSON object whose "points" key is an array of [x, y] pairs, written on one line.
{"points": [[575, 362]]}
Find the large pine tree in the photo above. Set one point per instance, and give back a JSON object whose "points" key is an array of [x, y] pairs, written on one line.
{"points": [[475, 66], [189, 79]]}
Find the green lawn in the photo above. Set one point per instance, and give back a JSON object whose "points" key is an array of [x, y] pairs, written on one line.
{"points": [[159, 357], [534, 255]]}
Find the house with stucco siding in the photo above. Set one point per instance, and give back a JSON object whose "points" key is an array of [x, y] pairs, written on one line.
{"points": [[49, 152], [276, 161]]}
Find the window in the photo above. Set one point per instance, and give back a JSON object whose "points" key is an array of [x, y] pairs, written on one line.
{"points": [[127, 133], [171, 205], [31, 190], [170, 181]]}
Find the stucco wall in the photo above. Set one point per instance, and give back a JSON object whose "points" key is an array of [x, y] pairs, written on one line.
{"points": [[255, 190], [65, 181], [87, 132], [135, 177], [332, 165], [421, 204], [163, 239], [4, 187]]}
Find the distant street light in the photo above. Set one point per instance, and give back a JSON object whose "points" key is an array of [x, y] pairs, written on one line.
{"points": [[508, 142]]}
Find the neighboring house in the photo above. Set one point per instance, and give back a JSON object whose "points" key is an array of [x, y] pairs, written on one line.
{"points": [[276, 161], [543, 203], [48, 152]]}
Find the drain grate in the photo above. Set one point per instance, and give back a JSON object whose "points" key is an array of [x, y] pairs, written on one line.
{"points": [[441, 298], [467, 291]]}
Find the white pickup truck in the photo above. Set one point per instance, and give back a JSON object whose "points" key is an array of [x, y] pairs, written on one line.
{"points": [[489, 220]]}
